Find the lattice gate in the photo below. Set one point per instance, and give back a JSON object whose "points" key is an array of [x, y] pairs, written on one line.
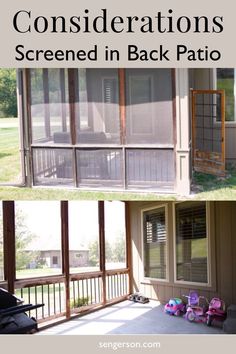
{"points": [[208, 131]]}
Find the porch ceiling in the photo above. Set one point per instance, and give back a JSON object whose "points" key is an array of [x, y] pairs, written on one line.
{"points": [[130, 318]]}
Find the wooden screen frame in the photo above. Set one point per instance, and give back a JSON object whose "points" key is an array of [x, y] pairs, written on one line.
{"points": [[74, 146], [220, 171]]}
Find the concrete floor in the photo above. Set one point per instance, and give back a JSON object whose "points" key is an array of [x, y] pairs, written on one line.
{"points": [[130, 318]]}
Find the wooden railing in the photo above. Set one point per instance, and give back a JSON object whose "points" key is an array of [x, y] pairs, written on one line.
{"points": [[85, 292], [49, 291], [117, 284]]}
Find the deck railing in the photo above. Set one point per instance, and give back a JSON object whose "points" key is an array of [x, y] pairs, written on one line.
{"points": [[117, 284], [49, 291], [86, 291]]}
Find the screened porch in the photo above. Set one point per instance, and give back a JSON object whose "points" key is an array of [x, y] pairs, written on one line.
{"points": [[100, 128], [57, 254]]}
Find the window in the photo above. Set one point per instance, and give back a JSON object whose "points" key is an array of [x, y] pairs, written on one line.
{"points": [[83, 236], [1, 245], [155, 243], [191, 242], [38, 238], [55, 261], [115, 235], [226, 81]]}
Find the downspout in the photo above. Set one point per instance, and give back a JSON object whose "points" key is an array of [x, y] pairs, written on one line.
{"points": [[20, 109], [25, 126]]}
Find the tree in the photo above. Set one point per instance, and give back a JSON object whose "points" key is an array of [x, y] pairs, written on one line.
{"points": [[118, 249], [8, 100], [23, 239], [108, 251], [93, 253]]}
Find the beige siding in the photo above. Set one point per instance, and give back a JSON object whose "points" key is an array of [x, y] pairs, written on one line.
{"points": [[222, 229], [230, 143], [226, 249]]}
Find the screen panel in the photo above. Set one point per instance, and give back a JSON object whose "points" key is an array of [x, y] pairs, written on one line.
{"points": [[97, 110], [49, 99], [149, 111], [99, 167], [150, 168], [52, 166]]}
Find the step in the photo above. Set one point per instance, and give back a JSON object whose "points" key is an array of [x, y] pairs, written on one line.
{"points": [[229, 326], [231, 311]]}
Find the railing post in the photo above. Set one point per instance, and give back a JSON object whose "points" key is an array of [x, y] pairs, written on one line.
{"points": [[101, 220], [9, 244], [128, 247], [65, 253]]}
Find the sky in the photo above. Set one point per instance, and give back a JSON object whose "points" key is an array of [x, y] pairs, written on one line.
{"points": [[43, 219]]}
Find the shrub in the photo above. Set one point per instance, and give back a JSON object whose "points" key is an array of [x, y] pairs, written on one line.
{"points": [[80, 301]]}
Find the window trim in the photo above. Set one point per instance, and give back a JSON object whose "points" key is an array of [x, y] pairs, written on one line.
{"points": [[149, 279], [209, 250], [214, 84]]}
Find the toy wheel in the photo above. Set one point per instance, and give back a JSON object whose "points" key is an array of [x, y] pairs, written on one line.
{"points": [[209, 320], [190, 316], [177, 313]]}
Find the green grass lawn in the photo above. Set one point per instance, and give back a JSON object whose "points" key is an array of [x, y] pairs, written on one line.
{"points": [[22, 193], [42, 272], [208, 187], [9, 151]]}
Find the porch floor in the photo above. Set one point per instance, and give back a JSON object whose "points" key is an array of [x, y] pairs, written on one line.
{"points": [[130, 318]]}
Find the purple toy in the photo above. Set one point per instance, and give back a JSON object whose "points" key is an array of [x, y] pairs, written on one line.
{"points": [[196, 312]]}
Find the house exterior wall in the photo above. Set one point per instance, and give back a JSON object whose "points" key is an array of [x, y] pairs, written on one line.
{"points": [[79, 258], [222, 233], [204, 79], [48, 257]]}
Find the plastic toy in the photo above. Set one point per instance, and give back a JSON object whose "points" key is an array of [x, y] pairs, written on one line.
{"points": [[196, 308], [175, 306], [216, 311]]}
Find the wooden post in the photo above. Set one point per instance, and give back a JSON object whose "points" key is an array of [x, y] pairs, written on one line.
{"points": [[193, 102], [222, 107], [63, 99], [121, 73], [102, 249], [72, 101], [27, 126], [9, 244], [46, 103], [128, 247], [65, 252]]}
